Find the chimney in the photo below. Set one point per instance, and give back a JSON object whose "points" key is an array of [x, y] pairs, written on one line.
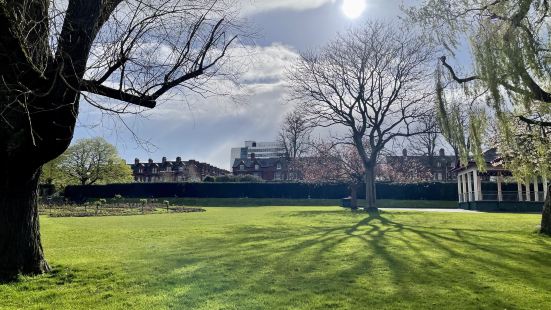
{"points": [[442, 152], [405, 152], [253, 156], [164, 159], [150, 161], [178, 159], [136, 161]]}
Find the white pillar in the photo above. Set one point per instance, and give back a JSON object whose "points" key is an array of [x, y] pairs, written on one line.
{"points": [[464, 184], [536, 189], [519, 190], [545, 188], [499, 192], [459, 193], [528, 191], [476, 182], [480, 196], [470, 186]]}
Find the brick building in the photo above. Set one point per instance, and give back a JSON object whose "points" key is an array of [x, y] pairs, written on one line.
{"points": [[268, 169], [430, 168], [173, 171]]}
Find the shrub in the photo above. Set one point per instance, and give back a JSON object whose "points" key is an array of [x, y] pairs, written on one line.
{"points": [[237, 178], [209, 178]]}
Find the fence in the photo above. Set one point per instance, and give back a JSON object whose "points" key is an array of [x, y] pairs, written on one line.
{"points": [[505, 196]]}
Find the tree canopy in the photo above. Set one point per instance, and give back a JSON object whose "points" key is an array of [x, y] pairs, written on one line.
{"points": [[92, 161], [373, 82], [510, 46]]}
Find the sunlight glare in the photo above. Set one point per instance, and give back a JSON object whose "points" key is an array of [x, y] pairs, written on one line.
{"points": [[353, 8]]}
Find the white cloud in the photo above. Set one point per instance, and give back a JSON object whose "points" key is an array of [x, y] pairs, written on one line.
{"points": [[206, 128], [261, 84], [255, 6]]}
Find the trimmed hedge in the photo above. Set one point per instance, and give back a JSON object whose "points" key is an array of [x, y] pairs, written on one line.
{"points": [[416, 191]]}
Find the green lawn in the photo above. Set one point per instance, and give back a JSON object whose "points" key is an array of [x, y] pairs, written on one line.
{"points": [[290, 258]]}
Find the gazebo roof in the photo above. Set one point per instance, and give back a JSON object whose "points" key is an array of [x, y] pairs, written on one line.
{"points": [[494, 164]]}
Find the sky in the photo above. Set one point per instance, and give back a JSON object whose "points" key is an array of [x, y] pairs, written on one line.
{"points": [[205, 129]]}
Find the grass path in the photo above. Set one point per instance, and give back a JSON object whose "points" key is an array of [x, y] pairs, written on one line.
{"points": [[290, 258]]}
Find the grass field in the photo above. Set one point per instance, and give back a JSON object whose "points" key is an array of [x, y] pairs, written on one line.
{"points": [[290, 258]]}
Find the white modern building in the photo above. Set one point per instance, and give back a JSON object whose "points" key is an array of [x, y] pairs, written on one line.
{"points": [[259, 149]]}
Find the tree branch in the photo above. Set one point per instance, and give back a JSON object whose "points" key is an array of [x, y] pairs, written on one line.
{"points": [[102, 90], [534, 122], [454, 76]]}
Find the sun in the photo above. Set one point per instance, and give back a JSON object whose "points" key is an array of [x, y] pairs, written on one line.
{"points": [[353, 8]]}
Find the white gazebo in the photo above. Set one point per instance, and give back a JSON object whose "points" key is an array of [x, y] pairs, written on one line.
{"points": [[471, 195]]}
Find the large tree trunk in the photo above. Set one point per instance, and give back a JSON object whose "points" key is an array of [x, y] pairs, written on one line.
{"points": [[370, 193], [546, 216], [20, 246]]}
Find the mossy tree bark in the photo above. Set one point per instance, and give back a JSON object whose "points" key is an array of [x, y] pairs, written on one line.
{"points": [[39, 99], [546, 216], [20, 244]]}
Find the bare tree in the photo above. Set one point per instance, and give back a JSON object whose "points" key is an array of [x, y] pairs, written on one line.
{"points": [[295, 134], [131, 52], [426, 142], [457, 113], [332, 162], [404, 170], [373, 81], [329, 162]]}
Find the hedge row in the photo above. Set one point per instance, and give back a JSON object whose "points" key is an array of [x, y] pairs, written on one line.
{"points": [[417, 191]]}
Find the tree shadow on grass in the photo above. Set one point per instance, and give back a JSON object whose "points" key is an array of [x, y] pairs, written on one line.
{"points": [[377, 260], [8, 278], [59, 273]]}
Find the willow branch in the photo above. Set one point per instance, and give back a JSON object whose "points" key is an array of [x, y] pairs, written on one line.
{"points": [[454, 76]]}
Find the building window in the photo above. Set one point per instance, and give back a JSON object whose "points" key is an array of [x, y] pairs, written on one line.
{"points": [[242, 167], [256, 167], [439, 176], [140, 170], [154, 170], [438, 164], [168, 169], [278, 167]]}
